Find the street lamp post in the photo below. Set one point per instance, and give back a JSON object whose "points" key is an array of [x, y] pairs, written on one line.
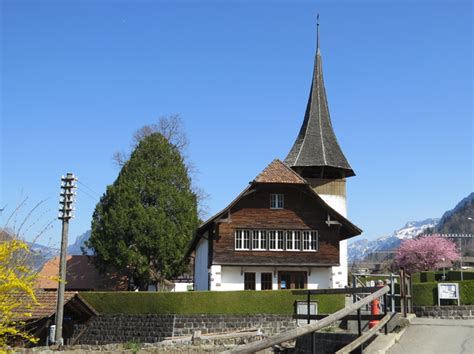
{"points": [[444, 269]]}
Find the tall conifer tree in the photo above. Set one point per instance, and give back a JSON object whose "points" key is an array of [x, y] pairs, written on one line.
{"points": [[146, 218]]}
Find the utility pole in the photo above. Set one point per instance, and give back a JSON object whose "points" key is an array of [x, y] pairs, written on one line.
{"points": [[65, 214]]}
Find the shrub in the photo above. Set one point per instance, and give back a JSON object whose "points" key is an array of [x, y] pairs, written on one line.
{"points": [[206, 302], [426, 294]]}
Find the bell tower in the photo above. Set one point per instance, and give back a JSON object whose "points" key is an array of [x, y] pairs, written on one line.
{"points": [[317, 157]]}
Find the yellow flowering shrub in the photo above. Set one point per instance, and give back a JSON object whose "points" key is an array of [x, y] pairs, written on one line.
{"points": [[17, 296]]}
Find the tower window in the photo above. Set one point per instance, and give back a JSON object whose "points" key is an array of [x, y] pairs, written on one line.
{"points": [[277, 201]]}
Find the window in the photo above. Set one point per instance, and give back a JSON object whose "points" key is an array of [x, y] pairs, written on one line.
{"points": [[280, 240], [272, 239], [276, 201], [249, 281], [310, 240], [242, 239], [259, 240], [266, 281], [275, 240], [293, 240]]}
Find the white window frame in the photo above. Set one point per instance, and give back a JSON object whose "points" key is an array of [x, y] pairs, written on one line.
{"points": [[277, 237], [240, 240], [293, 239], [277, 201], [307, 240], [261, 240], [310, 241]]}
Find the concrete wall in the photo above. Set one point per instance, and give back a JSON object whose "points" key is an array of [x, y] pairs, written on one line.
{"points": [[451, 312], [201, 275], [226, 278]]}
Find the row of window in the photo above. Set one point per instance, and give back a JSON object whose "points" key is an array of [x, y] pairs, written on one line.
{"points": [[276, 240]]}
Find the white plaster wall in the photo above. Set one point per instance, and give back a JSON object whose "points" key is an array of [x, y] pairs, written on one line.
{"points": [[180, 287], [340, 273], [201, 279], [232, 278], [215, 277]]}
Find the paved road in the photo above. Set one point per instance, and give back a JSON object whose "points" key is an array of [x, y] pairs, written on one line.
{"points": [[434, 336]]}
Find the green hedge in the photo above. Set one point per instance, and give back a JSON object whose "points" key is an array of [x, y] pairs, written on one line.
{"points": [[206, 302], [426, 294], [433, 276]]}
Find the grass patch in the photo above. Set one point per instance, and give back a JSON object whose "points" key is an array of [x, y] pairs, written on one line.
{"points": [[206, 302]]}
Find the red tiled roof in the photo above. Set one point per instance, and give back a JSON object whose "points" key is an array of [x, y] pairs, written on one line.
{"points": [[46, 306], [81, 274], [278, 172]]}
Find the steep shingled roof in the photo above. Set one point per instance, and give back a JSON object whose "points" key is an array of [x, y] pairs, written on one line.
{"points": [[278, 172], [316, 144]]}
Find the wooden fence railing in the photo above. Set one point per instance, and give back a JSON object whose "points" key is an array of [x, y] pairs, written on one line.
{"points": [[310, 328]]}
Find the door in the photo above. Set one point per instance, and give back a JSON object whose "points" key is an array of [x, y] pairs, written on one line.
{"points": [[292, 280]]}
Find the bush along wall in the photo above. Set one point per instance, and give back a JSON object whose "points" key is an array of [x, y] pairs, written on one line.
{"points": [[426, 294], [432, 276], [207, 302]]}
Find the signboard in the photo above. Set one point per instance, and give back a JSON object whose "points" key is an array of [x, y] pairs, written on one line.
{"points": [[302, 309], [448, 291]]}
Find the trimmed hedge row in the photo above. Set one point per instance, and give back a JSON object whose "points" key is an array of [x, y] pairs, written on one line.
{"points": [[452, 275], [426, 294], [206, 302]]}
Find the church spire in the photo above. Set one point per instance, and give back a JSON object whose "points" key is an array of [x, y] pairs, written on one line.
{"points": [[316, 152]]}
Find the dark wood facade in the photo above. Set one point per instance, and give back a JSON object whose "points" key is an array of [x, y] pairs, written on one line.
{"points": [[301, 212]]}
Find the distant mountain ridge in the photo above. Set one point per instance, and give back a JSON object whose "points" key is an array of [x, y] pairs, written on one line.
{"points": [[460, 219], [76, 248], [360, 249]]}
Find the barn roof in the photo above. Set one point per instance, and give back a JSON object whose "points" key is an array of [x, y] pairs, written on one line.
{"points": [[46, 304], [81, 274], [316, 145]]}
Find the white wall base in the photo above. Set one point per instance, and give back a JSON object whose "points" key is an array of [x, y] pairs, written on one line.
{"points": [[224, 278]]}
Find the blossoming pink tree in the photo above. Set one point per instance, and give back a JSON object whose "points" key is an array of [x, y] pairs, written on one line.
{"points": [[426, 253]]}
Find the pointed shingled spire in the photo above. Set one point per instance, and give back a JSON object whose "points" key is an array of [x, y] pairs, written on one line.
{"points": [[316, 150]]}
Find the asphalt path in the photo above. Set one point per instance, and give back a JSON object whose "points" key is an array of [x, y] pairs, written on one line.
{"points": [[433, 336]]}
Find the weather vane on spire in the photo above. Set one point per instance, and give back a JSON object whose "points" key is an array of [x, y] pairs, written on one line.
{"points": [[317, 33]]}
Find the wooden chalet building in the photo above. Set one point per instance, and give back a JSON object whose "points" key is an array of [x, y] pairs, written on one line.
{"points": [[288, 229]]}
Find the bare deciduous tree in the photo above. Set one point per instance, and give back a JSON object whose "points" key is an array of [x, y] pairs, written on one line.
{"points": [[171, 127]]}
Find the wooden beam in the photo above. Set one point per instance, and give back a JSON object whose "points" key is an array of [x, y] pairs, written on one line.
{"points": [[367, 289], [310, 328], [366, 336], [365, 317]]}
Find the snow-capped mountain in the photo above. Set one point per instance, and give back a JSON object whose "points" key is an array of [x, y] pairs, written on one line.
{"points": [[360, 249]]}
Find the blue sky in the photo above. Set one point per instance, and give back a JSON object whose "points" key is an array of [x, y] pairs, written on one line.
{"points": [[79, 77]]}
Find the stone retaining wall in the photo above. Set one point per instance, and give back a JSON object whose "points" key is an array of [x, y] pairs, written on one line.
{"points": [[452, 312], [105, 329]]}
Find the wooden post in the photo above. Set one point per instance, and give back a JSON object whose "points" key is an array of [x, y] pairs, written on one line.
{"points": [[67, 195], [402, 293], [392, 293]]}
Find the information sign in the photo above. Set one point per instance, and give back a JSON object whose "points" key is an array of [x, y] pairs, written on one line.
{"points": [[448, 291]]}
